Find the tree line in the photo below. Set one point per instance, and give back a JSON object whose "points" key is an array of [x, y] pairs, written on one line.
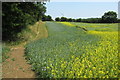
{"points": [[108, 17]]}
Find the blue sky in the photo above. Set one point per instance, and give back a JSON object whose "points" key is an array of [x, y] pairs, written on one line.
{"points": [[76, 9], [84, 0]]}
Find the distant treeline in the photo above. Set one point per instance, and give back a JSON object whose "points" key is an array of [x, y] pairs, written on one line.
{"points": [[88, 20], [17, 15], [108, 17]]}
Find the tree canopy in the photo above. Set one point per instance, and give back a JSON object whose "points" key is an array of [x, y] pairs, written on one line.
{"points": [[57, 19], [17, 15], [47, 18], [109, 17]]}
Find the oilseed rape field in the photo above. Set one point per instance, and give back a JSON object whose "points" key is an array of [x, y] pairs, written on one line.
{"points": [[70, 52]]}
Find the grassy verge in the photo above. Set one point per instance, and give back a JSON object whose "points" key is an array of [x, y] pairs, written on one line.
{"points": [[31, 33], [34, 32], [4, 55]]}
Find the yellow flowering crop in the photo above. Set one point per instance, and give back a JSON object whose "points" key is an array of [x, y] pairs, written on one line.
{"points": [[67, 23], [69, 52]]}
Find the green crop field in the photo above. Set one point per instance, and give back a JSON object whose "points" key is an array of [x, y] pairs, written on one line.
{"points": [[71, 52]]}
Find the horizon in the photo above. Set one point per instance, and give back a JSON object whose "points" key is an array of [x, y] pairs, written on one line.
{"points": [[82, 10]]}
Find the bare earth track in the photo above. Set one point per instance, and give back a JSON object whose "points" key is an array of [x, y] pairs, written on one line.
{"points": [[16, 65]]}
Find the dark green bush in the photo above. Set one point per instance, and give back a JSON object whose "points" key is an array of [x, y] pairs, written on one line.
{"points": [[17, 15]]}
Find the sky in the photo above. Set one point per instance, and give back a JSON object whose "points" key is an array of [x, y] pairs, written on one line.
{"points": [[80, 9], [84, 0]]}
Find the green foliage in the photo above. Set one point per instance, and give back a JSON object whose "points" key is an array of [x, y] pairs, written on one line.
{"points": [[33, 32], [69, 19], [13, 59], [109, 17], [47, 18], [69, 52], [118, 20], [17, 15], [63, 19], [57, 19], [78, 20], [88, 20], [5, 50], [91, 20]]}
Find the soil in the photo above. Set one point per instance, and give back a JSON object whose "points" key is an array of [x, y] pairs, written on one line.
{"points": [[16, 66]]}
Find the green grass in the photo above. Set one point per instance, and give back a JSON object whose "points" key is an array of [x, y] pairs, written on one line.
{"points": [[13, 59], [31, 33], [4, 54], [69, 52]]}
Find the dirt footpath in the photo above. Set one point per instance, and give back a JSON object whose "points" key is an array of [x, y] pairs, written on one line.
{"points": [[16, 66]]}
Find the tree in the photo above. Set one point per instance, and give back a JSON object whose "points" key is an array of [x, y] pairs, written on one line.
{"points": [[109, 17], [69, 19], [40, 10], [63, 19], [73, 20], [118, 20], [78, 20], [44, 18], [17, 15], [57, 19], [47, 18]]}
